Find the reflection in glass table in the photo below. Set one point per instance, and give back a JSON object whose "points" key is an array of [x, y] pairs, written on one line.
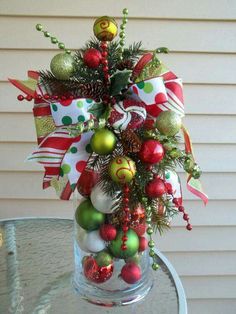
{"points": [[36, 265]]}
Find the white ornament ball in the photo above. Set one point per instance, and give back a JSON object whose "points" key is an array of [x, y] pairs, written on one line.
{"points": [[93, 242], [81, 236], [102, 201]]}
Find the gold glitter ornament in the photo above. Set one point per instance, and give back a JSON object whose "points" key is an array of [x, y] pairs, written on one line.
{"points": [[105, 28], [62, 66], [122, 169], [168, 123]]}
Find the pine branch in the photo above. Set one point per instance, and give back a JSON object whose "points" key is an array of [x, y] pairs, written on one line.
{"points": [[133, 52]]}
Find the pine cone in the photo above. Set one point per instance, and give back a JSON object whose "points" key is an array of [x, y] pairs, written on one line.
{"points": [[95, 91], [130, 141], [125, 64]]}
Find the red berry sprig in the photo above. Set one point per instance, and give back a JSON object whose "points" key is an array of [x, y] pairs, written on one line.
{"points": [[125, 225], [104, 62], [46, 97], [181, 209], [21, 97]]}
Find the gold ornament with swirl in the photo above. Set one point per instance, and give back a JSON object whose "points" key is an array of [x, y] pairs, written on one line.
{"points": [[105, 28], [122, 169]]}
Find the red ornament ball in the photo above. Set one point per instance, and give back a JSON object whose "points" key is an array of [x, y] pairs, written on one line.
{"points": [[87, 181], [139, 229], [151, 152], [108, 232], [143, 244], [131, 273], [92, 58], [95, 273], [155, 188]]}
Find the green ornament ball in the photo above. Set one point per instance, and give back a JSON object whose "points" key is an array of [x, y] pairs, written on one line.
{"points": [[132, 245], [168, 123], [135, 259], [88, 217], [103, 142], [62, 66], [122, 169], [103, 259]]}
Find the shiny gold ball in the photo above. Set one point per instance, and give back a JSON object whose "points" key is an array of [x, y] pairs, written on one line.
{"points": [[122, 169], [168, 123], [103, 142], [62, 66], [105, 28]]}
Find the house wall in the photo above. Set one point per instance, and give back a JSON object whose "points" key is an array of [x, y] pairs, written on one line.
{"points": [[201, 36]]}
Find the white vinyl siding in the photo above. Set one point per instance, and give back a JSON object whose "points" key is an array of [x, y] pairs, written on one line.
{"points": [[201, 36]]}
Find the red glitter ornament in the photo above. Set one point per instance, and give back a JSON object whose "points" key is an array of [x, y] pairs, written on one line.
{"points": [[108, 232], [151, 152], [87, 181], [155, 188], [143, 244], [131, 273], [139, 229], [92, 58], [95, 273]]}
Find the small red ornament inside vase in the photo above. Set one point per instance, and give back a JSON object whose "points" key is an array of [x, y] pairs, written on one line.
{"points": [[131, 273], [151, 152], [95, 273], [143, 244], [155, 188], [92, 58]]}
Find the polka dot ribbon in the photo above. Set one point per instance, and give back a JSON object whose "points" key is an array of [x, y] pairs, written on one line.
{"points": [[70, 112], [160, 94]]}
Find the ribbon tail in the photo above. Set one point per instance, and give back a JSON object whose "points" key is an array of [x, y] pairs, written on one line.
{"points": [[74, 163], [193, 185], [28, 86], [187, 140]]}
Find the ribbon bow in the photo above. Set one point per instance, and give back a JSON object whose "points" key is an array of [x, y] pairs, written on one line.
{"points": [[63, 157]]}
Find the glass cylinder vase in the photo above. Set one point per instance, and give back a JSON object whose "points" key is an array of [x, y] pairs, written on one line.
{"points": [[105, 274]]}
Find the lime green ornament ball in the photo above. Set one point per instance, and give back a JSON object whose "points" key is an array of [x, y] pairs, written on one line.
{"points": [[103, 142], [88, 217], [132, 245], [62, 66], [122, 169], [103, 259], [168, 123]]}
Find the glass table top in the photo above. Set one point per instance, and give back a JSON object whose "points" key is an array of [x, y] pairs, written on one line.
{"points": [[36, 265]]}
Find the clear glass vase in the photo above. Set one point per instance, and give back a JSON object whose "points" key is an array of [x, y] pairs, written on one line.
{"points": [[97, 275]]}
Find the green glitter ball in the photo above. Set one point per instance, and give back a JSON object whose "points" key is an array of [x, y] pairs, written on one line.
{"points": [[62, 66], [168, 123]]}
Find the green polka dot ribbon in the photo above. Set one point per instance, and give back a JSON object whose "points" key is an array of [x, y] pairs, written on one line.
{"points": [[71, 112]]}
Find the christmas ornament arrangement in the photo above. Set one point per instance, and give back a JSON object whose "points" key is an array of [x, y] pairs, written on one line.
{"points": [[108, 121]]}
